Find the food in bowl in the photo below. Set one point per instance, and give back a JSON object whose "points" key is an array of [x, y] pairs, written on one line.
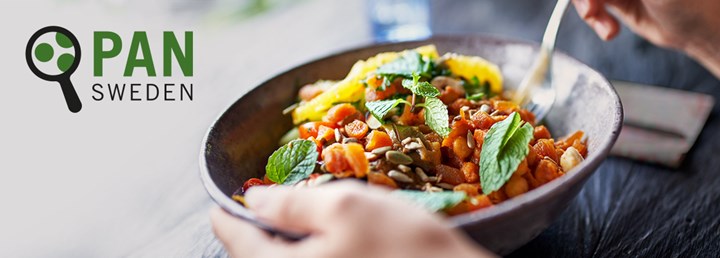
{"points": [[438, 129]]}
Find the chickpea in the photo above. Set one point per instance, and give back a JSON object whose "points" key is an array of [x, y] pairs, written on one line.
{"points": [[517, 185], [570, 159], [460, 147]]}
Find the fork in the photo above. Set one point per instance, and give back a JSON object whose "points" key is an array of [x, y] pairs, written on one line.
{"points": [[536, 92]]}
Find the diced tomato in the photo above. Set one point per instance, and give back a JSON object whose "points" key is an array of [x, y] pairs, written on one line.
{"points": [[250, 183], [356, 129], [266, 180]]}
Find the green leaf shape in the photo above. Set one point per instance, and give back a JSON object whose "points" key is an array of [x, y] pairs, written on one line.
{"points": [[504, 147], [407, 64], [474, 90], [292, 162], [432, 201], [476, 96], [417, 87], [380, 108], [436, 116]]}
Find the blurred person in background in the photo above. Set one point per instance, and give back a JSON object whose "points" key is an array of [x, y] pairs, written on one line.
{"points": [[347, 219]]}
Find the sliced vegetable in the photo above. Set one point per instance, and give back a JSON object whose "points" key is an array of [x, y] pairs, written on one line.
{"points": [[469, 67], [351, 88]]}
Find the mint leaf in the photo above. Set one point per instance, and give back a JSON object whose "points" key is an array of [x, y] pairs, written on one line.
{"points": [[407, 64], [292, 162], [424, 89], [431, 201], [380, 108], [504, 147], [436, 116]]}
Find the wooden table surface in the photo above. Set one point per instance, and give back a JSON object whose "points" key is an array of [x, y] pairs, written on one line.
{"points": [[627, 208]]}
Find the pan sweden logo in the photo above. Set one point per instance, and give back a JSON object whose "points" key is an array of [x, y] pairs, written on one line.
{"points": [[53, 54]]}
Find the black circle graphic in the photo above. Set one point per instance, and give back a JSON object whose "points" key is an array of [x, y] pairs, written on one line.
{"points": [[71, 98]]}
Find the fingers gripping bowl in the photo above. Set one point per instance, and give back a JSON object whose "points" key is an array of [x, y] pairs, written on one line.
{"points": [[238, 144]]}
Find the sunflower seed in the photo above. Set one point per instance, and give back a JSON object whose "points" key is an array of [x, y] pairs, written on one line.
{"points": [[398, 157], [381, 150], [430, 188], [404, 169], [413, 146], [338, 135], [470, 140], [432, 179], [349, 140], [446, 186], [323, 167], [406, 140], [371, 156], [421, 173], [373, 123], [399, 176], [485, 108]]}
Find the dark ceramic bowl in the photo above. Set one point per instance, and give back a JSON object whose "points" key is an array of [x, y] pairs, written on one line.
{"points": [[238, 144]]}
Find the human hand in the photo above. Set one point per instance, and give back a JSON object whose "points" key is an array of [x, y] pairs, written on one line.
{"points": [[344, 219], [692, 26]]}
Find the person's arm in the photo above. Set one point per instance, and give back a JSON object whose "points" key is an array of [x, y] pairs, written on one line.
{"points": [[691, 26], [344, 219]]}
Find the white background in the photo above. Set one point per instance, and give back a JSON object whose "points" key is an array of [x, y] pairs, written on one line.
{"points": [[119, 175]]}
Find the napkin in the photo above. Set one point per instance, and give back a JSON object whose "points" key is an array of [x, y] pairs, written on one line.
{"points": [[661, 124]]}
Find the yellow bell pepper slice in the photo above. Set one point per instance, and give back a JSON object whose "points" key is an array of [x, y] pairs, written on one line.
{"points": [[471, 66], [351, 88]]}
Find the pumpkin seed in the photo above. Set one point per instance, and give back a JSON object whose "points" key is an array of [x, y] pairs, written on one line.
{"points": [[399, 176], [398, 157], [381, 150], [421, 173], [445, 186]]}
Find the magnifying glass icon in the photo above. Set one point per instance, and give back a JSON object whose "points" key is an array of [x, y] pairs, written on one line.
{"points": [[66, 63]]}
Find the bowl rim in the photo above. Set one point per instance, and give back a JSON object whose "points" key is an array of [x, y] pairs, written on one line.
{"points": [[494, 213]]}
